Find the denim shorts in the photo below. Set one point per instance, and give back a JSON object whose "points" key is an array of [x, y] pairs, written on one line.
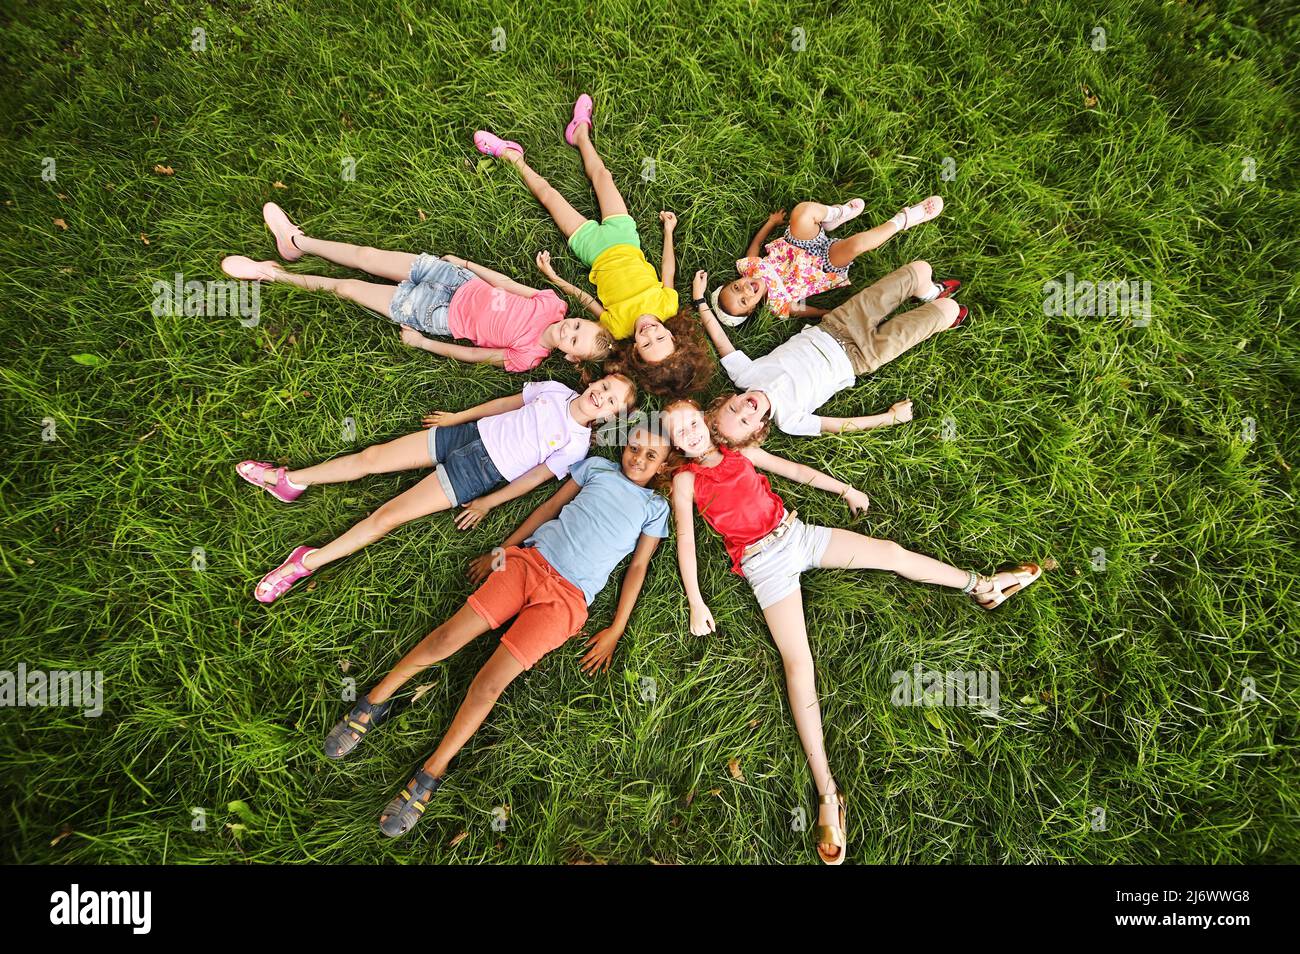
{"points": [[773, 572], [465, 470], [423, 301]]}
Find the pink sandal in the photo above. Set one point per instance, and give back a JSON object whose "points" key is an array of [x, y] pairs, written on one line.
{"points": [[921, 212], [276, 583], [254, 471], [581, 116], [244, 268], [839, 214], [491, 145], [283, 230]]}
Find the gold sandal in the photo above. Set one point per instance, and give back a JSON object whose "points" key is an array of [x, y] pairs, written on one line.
{"points": [[832, 834], [1024, 574]]}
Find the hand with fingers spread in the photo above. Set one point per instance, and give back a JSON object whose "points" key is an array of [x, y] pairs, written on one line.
{"points": [[441, 419], [702, 620], [600, 653], [471, 513], [777, 217]]}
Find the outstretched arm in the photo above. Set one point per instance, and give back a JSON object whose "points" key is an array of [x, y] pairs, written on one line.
{"points": [[899, 413], [457, 352], [549, 509], [713, 327], [802, 473], [602, 645], [492, 277], [588, 301], [669, 271], [684, 518], [451, 418], [475, 510], [764, 230]]}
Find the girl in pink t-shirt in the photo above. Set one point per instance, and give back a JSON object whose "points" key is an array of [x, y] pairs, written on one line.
{"points": [[511, 325], [806, 261]]}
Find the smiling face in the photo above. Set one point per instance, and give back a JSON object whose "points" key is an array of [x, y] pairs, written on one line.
{"points": [[644, 456], [653, 341], [689, 431], [604, 398], [742, 296], [743, 416], [580, 339]]}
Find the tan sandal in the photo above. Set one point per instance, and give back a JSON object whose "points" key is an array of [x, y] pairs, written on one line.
{"points": [[832, 834], [991, 599]]}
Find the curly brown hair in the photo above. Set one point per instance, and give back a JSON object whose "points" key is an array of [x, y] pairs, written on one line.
{"points": [[711, 414], [689, 368]]}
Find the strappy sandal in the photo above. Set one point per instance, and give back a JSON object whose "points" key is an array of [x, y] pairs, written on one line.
{"points": [[405, 811], [833, 834], [276, 583], [914, 215], [350, 730], [995, 596], [255, 471]]}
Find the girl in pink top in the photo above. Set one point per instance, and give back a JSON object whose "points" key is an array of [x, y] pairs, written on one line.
{"points": [[806, 261], [511, 325], [520, 441], [772, 548]]}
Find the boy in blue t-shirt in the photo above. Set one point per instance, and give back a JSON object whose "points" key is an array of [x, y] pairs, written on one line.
{"points": [[549, 571]]}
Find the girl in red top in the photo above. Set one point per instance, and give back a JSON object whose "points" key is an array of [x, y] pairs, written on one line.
{"points": [[771, 547]]}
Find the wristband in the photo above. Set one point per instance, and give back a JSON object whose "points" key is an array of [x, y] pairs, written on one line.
{"points": [[698, 302]]}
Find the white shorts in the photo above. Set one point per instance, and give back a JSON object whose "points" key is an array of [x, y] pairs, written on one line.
{"points": [[774, 571]]}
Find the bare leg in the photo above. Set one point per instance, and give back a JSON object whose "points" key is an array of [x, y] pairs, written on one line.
{"points": [[499, 671], [806, 220], [785, 621], [608, 197], [371, 295], [846, 250], [463, 627], [392, 265], [424, 498], [853, 551], [405, 453], [566, 216]]}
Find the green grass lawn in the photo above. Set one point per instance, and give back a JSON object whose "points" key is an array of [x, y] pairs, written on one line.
{"points": [[1161, 690]]}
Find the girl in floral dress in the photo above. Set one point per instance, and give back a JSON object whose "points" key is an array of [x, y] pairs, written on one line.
{"points": [[806, 261]]}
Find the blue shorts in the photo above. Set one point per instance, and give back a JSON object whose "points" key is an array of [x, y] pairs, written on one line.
{"points": [[465, 470], [423, 301]]}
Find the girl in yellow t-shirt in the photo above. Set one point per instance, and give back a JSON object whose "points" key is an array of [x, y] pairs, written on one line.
{"points": [[632, 301]]}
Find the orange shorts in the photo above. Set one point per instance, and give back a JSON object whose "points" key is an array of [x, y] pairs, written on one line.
{"points": [[548, 609]]}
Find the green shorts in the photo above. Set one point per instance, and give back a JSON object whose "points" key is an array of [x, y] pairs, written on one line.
{"points": [[593, 237]]}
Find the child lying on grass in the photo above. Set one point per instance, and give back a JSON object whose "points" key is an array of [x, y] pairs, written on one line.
{"points": [[634, 302], [511, 325], [806, 261], [551, 569], [789, 383], [520, 441], [771, 548]]}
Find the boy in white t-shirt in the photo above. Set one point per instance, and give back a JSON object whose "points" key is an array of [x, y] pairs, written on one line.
{"points": [[787, 385]]}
